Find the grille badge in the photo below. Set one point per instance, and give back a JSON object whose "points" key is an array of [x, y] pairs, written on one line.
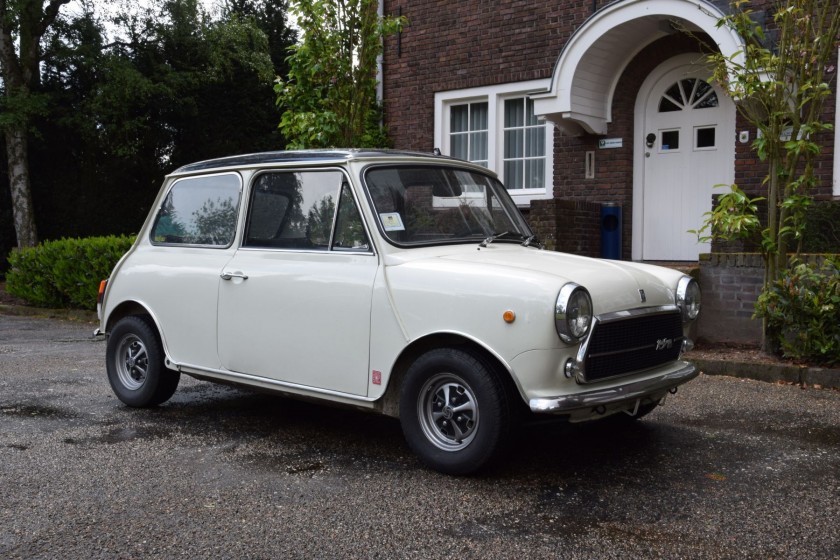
{"points": [[664, 343], [642, 295]]}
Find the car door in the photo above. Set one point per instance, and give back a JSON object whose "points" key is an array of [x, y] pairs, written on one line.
{"points": [[175, 271], [294, 302]]}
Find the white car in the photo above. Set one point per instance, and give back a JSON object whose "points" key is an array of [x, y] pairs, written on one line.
{"points": [[401, 283]]}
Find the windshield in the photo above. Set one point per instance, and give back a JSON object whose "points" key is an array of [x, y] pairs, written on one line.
{"points": [[427, 205]]}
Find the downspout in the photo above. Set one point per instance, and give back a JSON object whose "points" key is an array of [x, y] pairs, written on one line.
{"points": [[836, 187], [380, 12]]}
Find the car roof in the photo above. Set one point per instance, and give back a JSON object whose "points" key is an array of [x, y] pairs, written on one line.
{"points": [[302, 156]]}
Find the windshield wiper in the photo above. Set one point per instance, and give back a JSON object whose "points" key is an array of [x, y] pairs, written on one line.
{"points": [[532, 241], [496, 236]]}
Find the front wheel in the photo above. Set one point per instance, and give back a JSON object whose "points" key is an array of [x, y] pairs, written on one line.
{"points": [[454, 411], [134, 360]]}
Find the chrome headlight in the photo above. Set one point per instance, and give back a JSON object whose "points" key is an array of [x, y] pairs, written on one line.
{"points": [[573, 313], [688, 298]]}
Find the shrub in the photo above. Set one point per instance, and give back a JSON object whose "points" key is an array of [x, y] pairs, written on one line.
{"points": [[64, 273], [802, 309]]}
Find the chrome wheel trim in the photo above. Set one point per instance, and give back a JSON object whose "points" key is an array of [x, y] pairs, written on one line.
{"points": [[448, 412], [132, 362]]}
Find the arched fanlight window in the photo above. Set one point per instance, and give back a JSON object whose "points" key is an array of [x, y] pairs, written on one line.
{"points": [[687, 94]]}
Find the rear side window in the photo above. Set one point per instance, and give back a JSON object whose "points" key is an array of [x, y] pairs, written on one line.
{"points": [[307, 210], [199, 211]]}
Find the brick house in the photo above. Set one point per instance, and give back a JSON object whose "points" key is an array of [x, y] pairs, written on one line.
{"points": [[580, 103]]}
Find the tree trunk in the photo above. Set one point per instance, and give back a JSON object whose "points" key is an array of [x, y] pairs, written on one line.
{"points": [[22, 212]]}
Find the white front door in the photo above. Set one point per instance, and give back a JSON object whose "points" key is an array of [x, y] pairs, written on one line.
{"points": [[685, 145]]}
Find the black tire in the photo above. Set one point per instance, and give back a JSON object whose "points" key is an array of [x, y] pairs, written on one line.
{"points": [[134, 360], [464, 433]]}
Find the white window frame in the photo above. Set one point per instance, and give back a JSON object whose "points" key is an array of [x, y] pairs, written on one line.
{"points": [[495, 97]]}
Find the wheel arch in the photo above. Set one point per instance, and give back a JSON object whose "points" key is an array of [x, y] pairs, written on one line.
{"points": [[132, 307], [125, 309], [389, 403]]}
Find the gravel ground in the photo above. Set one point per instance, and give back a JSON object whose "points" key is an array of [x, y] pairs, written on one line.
{"points": [[727, 469]]}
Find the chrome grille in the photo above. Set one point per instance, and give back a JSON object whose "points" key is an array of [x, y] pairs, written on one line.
{"points": [[631, 344]]}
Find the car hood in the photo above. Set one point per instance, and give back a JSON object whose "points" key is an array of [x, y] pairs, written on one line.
{"points": [[614, 285]]}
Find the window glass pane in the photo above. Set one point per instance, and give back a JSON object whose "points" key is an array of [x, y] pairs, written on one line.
{"points": [[478, 146], [705, 137], [459, 146], [687, 89], [513, 174], [514, 112], [478, 116], [675, 93], [199, 211], [535, 142], [701, 89], [459, 118], [710, 100], [293, 210], [531, 118], [349, 230], [671, 140], [667, 106], [514, 143], [535, 174]]}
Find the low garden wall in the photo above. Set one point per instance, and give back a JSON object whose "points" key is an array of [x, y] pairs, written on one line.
{"points": [[731, 283]]}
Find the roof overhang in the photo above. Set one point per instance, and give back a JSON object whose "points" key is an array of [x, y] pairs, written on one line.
{"points": [[587, 71]]}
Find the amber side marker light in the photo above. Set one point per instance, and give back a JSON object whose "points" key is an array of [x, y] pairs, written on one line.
{"points": [[102, 286], [509, 316]]}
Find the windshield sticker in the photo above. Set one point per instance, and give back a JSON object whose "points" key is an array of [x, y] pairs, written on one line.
{"points": [[392, 221]]}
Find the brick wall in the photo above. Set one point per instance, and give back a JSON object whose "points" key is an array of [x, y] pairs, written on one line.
{"points": [[731, 284], [471, 43], [570, 226]]}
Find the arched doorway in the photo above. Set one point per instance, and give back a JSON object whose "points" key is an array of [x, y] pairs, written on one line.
{"points": [[684, 146]]}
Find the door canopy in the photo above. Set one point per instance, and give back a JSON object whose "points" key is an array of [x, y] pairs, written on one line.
{"points": [[588, 69]]}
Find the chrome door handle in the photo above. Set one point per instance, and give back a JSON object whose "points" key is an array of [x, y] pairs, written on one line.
{"points": [[229, 275]]}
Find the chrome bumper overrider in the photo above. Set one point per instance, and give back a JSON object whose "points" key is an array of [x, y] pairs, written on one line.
{"points": [[601, 397]]}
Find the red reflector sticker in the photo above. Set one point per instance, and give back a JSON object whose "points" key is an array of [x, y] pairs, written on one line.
{"points": [[376, 377]]}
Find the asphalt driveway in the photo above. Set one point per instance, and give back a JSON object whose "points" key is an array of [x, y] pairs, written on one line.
{"points": [[728, 468]]}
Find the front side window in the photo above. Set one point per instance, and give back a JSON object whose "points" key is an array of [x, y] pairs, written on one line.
{"points": [[199, 211], [433, 205], [308, 210]]}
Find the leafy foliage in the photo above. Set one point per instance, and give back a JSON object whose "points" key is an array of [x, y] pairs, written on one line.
{"points": [[64, 273], [127, 93], [330, 93], [781, 81], [734, 217], [801, 308]]}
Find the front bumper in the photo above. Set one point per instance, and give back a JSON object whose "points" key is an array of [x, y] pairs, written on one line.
{"points": [[566, 404]]}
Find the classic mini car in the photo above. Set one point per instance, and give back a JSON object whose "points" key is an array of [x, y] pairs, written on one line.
{"points": [[402, 283]]}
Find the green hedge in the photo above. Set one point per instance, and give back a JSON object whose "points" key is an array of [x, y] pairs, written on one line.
{"points": [[64, 273], [802, 310]]}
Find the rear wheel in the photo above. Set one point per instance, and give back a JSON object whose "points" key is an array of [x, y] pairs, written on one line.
{"points": [[454, 411], [134, 361]]}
